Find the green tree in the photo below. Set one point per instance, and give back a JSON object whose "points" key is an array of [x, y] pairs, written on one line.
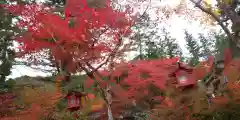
{"points": [[144, 33], [159, 45], [6, 41], [193, 48], [207, 43], [172, 47], [152, 51], [224, 12], [221, 42], [213, 44], [154, 46], [153, 43]]}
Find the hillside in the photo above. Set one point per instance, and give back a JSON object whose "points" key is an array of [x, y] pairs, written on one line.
{"points": [[48, 82]]}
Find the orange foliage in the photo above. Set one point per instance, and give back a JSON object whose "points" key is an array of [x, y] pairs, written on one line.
{"points": [[232, 70], [40, 101], [203, 68], [220, 100]]}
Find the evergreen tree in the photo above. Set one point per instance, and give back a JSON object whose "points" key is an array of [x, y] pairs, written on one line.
{"points": [[172, 47], [6, 53], [228, 12], [153, 44], [213, 44], [193, 48], [221, 42], [152, 51], [206, 45], [144, 33]]}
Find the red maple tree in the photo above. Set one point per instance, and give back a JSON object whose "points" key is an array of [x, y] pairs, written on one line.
{"points": [[85, 39], [94, 37]]}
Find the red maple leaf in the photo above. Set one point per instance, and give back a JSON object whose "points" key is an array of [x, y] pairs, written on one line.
{"points": [[46, 30]]}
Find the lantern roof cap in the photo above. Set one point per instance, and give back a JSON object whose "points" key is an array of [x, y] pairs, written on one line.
{"points": [[185, 66], [77, 93], [181, 67]]}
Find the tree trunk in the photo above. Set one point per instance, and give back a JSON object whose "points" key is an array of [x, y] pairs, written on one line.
{"points": [[110, 116], [108, 99], [234, 49], [58, 67]]}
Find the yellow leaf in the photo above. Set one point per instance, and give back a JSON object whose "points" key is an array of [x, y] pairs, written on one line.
{"points": [[209, 2], [208, 5], [227, 1], [217, 12]]}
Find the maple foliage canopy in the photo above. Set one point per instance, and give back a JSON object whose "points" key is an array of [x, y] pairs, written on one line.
{"points": [[138, 75], [83, 35], [87, 35]]}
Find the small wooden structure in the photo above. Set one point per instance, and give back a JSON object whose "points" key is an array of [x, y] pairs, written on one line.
{"points": [[74, 100]]}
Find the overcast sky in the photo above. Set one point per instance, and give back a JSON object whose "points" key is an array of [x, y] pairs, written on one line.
{"points": [[177, 25]]}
